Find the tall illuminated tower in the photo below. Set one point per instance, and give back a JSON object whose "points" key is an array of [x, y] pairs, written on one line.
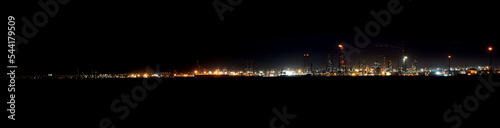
{"points": [[329, 64], [306, 63], [341, 58]]}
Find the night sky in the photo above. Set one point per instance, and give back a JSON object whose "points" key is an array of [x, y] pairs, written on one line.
{"points": [[122, 36]]}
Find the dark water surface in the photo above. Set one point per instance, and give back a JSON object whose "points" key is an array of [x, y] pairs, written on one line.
{"points": [[248, 102]]}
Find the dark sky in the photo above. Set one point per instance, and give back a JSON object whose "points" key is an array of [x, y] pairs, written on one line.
{"points": [[123, 36]]}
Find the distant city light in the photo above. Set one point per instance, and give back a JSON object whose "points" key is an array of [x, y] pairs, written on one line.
{"points": [[348, 70]]}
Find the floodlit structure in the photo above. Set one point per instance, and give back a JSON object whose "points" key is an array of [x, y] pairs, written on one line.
{"points": [[306, 63], [404, 63], [490, 50], [329, 64], [341, 60]]}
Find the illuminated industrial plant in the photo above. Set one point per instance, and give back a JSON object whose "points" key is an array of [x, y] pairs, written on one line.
{"points": [[343, 68]]}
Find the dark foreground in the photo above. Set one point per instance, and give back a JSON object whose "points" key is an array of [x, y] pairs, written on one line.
{"points": [[399, 102]]}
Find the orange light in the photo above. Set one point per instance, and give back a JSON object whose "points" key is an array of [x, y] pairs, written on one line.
{"points": [[449, 56], [340, 46], [195, 72], [490, 48]]}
